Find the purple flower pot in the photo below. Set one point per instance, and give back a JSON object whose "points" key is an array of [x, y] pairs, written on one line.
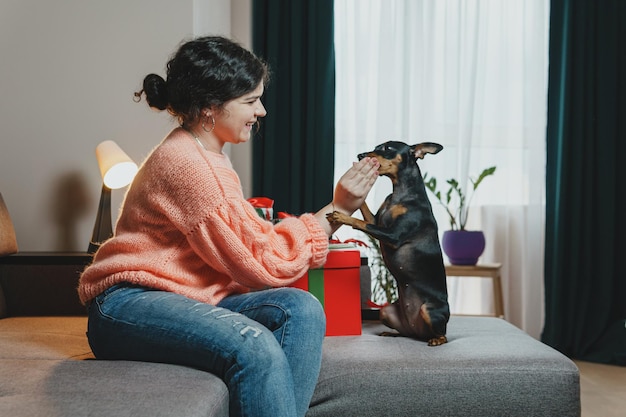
{"points": [[463, 247]]}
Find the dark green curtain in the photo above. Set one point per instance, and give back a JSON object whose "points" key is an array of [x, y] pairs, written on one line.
{"points": [[293, 153], [585, 277]]}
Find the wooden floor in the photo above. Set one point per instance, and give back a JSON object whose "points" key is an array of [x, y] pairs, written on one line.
{"points": [[602, 390]]}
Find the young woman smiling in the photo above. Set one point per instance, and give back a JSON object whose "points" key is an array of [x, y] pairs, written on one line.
{"points": [[184, 279]]}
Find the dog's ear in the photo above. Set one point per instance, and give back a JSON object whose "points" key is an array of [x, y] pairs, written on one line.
{"points": [[421, 149]]}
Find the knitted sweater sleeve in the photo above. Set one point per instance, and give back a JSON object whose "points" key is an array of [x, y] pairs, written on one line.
{"points": [[203, 198], [235, 241]]}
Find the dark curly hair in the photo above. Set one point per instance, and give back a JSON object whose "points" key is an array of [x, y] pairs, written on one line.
{"points": [[203, 73]]}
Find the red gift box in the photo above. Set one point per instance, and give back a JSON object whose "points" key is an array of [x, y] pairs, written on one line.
{"points": [[264, 207], [337, 286]]}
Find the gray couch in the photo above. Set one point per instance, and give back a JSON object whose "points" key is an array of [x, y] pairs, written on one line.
{"points": [[488, 368]]}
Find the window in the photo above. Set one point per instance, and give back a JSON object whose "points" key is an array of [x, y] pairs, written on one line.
{"points": [[472, 76]]}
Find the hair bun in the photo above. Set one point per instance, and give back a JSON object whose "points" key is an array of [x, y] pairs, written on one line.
{"points": [[156, 91]]}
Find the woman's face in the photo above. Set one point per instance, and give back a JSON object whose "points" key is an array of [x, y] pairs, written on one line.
{"points": [[235, 121]]}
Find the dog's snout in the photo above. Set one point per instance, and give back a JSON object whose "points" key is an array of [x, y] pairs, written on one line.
{"points": [[362, 155]]}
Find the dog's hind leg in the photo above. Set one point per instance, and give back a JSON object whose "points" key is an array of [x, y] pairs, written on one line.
{"points": [[406, 317], [437, 323], [390, 316]]}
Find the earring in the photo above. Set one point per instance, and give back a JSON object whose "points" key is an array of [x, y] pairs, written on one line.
{"points": [[137, 96], [212, 124]]}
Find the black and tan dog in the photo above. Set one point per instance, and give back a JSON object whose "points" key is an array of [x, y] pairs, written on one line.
{"points": [[407, 231]]}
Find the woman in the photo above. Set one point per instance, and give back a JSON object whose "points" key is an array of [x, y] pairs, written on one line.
{"points": [[184, 278]]}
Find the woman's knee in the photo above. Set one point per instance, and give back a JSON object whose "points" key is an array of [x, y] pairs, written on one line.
{"points": [[304, 304], [280, 309]]}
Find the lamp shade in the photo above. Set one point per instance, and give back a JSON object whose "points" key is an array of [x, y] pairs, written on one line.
{"points": [[117, 171], [116, 168]]}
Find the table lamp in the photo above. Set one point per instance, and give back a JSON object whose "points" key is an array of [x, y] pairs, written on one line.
{"points": [[117, 170]]}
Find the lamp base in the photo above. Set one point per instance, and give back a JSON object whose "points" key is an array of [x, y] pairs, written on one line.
{"points": [[93, 247], [102, 229]]}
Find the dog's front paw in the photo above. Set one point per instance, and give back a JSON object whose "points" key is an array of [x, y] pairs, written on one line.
{"points": [[336, 217]]}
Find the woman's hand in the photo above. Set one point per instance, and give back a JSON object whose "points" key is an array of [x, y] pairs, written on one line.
{"points": [[355, 184], [350, 192]]}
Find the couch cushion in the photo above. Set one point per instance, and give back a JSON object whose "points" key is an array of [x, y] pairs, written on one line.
{"points": [[55, 388], [488, 368], [44, 338], [47, 369]]}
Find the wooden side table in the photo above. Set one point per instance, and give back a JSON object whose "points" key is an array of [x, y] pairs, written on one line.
{"points": [[482, 270], [43, 283]]}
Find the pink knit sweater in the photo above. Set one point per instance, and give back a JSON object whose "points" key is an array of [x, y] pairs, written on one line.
{"points": [[185, 227]]}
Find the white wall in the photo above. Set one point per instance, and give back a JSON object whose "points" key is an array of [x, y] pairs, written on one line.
{"points": [[68, 69], [241, 31]]}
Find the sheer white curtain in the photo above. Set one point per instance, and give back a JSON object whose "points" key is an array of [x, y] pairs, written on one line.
{"points": [[472, 76]]}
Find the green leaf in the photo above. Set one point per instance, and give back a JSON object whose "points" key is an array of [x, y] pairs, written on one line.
{"points": [[456, 201], [486, 172]]}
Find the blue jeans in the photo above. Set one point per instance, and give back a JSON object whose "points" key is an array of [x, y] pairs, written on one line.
{"points": [[265, 345]]}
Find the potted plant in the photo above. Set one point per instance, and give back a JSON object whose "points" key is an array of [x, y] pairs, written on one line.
{"points": [[462, 247], [384, 290]]}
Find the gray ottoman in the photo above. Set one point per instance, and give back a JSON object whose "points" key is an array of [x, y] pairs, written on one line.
{"points": [[488, 368]]}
